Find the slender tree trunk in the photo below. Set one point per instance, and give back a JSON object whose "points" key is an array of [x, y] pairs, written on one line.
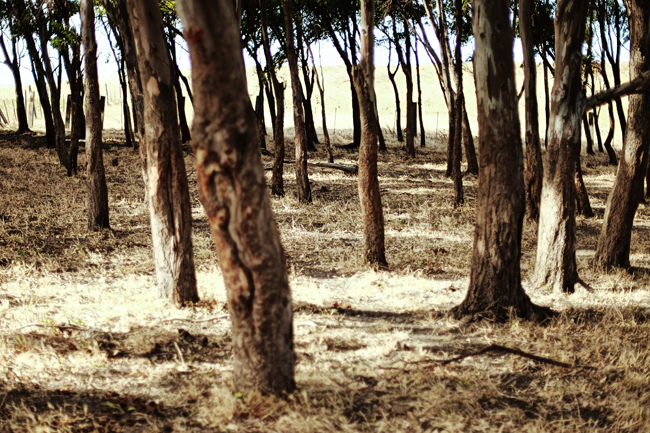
{"points": [[277, 182], [547, 101], [423, 137], [13, 63], [233, 192], [97, 189], [613, 159], [468, 143], [614, 242], [534, 168], [457, 176], [495, 280], [321, 91], [588, 137], [300, 139], [556, 246], [180, 99], [370, 197], [583, 206], [41, 87], [78, 124], [398, 109], [169, 198]]}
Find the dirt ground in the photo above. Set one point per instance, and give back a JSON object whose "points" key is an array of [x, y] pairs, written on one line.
{"points": [[85, 344]]}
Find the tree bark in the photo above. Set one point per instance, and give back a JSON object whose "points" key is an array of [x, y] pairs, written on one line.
{"points": [[398, 109], [233, 192], [97, 189], [495, 280], [423, 136], [321, 92], [556, 246], [41, 87], [369, 195], [583, 206], [169, 198], [300, 138], [534, 166], [614, 242]]}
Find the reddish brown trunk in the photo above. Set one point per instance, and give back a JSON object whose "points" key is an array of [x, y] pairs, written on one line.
{"points": [[556, 247], [534, 167], [614, 242], [495, 281], [169, 198], [300, 137], [233, 192], [583, 206], [97, 190], [364, 81]]}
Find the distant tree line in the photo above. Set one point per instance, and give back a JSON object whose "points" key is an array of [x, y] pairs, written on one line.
{"points": [[575, 41]]}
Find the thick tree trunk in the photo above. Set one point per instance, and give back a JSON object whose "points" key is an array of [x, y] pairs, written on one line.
{"points": [[97, 189], [169, 198], [233, 192], [556, 246], [614, 242], [300, 138], [369, 195], [468, 143], [534, 168], [495, 281]]}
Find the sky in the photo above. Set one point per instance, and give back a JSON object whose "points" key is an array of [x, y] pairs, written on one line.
{"points": [[324, 51]]}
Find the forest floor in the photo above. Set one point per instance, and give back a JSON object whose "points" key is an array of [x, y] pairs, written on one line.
{"points": [[86, 344]]}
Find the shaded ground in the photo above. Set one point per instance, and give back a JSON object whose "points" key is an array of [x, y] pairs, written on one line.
{"points": [[86, 346]]}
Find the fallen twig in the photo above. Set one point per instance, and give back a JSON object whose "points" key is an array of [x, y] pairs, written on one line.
{"points": [[198, 321], [60, 327], [350, 169]]}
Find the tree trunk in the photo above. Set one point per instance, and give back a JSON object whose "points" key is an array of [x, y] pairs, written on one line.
{"points": [[180, 99], [41, 86], [321, 91], [468, 143], [310, 127], [97, 190], [547, 101], [457, 176], [423, 137], [583, 207], [233, 192], [169, 198], [588, 137], [13, 63], [556, 246], [398, 109], [277, 182], [300, 138], [534, 167], [614, 242], [78, 124], [495, 280], [613, 159], [369, 195]]}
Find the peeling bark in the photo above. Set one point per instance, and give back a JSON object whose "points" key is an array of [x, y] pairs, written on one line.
{"points": [[233, 192]]}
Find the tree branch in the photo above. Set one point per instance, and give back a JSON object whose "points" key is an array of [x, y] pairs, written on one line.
{"points": [[640, 84]]}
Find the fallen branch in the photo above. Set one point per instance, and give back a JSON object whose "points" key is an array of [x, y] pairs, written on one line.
{"points": [[350, 169], [503, 349]]}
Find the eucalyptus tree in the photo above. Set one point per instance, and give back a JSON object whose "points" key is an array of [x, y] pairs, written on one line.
{"points": [[369, 195], [169, 198], [98, 215], [233, 191], [495, 281], [615, 236]]}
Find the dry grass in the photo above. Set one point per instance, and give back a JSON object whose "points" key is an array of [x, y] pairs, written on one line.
{"points": [[107, 355]]}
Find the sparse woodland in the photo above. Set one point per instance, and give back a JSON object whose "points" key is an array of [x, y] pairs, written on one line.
{"points": [[205, 250]]}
